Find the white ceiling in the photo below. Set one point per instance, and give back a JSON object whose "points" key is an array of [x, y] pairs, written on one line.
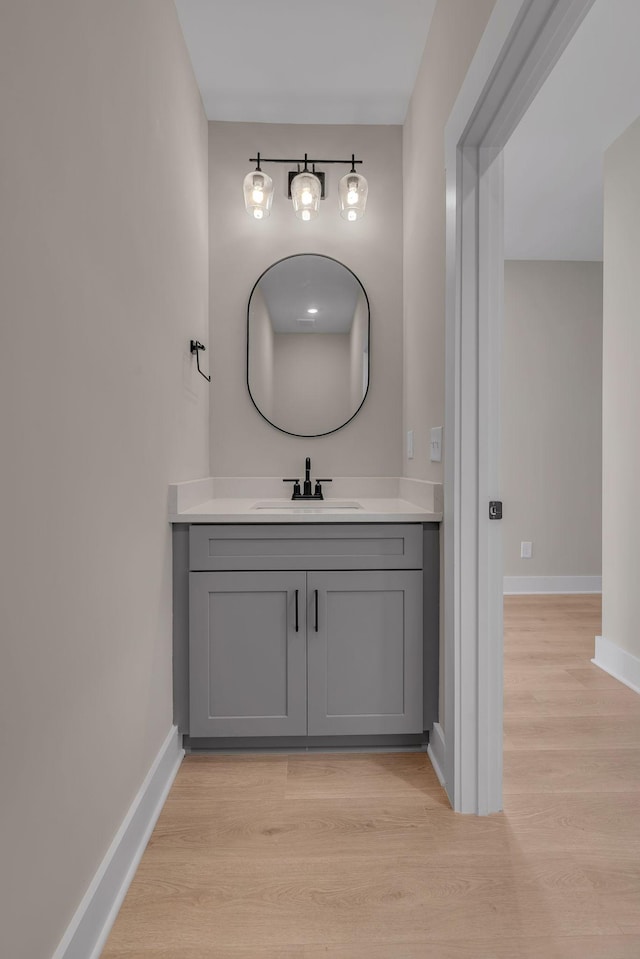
{"points": [[294, 61], [554, 160]]}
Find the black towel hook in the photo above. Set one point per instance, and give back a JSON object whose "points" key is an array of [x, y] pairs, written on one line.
{"points": [[196, 346]]}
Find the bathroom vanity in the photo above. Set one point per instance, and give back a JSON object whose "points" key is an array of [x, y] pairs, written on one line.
{"points": [[298, 630], [302, 620]]}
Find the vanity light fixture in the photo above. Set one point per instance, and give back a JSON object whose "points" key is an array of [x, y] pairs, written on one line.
{"points": [[352, 190], [306, 189], [258, 192]]}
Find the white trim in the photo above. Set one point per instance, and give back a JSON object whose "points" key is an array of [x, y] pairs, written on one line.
{"points": [[490, 603], [88, 930], [521, 43], [436, 752], [552, 584], [623, 666]]}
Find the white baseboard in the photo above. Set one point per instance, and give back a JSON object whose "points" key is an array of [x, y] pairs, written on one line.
{"points": [[94, 917], [620, 664], [435, 752], [552, 584]]}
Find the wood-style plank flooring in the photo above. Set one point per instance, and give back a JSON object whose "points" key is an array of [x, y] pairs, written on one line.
{"points": [[359, 856]]}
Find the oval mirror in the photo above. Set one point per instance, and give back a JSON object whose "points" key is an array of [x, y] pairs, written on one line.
{"points": [[308, 345]]}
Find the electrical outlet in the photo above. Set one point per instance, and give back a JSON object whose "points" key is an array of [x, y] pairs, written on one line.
{"points": [[409, 444], [526, 550]]}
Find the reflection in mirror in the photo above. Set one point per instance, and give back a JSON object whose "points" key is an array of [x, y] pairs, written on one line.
{"points": [[308, 345]]}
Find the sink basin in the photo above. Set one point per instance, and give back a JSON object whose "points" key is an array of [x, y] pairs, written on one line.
{"points": [[307, 506]]}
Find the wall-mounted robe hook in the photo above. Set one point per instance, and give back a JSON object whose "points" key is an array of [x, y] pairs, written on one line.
{"points": [[196, 346]]}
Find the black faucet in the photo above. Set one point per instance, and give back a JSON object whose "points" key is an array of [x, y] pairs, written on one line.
{"points": [[306, 489]]}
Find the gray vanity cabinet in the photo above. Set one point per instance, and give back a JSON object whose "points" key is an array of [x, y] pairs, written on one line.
{"points": [[364, 652], [301, 631], [248, 654]]}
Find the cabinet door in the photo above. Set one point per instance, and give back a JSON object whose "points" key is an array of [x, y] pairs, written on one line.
{"points": [[247, 662], [365, 652]]}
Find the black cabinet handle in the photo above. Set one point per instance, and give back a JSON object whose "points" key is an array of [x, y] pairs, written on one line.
{"points": [[297, 625], [316, 592]]}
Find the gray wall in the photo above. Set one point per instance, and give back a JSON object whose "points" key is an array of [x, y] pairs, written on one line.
{"points": [[621, 393], [455, 32], [552, 417], [243, 444], [103, 280]]}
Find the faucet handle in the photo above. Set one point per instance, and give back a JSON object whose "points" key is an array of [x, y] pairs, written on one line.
{"points": [[296, 487], [318, 489]]}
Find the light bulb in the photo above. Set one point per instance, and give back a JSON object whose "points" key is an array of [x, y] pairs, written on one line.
{"points": [[312, 309], [258, 192], [305, 194], [352, 194]]}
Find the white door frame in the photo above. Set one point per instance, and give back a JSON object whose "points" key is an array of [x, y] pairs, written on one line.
{"points": [[522, 42]]}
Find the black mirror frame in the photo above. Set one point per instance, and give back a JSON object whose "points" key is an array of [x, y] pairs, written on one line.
{"points": [[358, 280]]}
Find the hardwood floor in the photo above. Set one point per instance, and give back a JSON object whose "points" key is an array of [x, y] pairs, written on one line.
{"points": [[359, 856]]}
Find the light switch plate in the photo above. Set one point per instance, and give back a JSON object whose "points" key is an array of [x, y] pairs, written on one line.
{"points": [[435, 453], [526, 550], [409, 444]]}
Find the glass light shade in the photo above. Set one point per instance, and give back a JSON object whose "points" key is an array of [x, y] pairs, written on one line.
{"points": [[352, 193], [258, 194], [305, 195]]}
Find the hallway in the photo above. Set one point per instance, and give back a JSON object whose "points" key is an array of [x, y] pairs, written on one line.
{"points": [[360, 857]]}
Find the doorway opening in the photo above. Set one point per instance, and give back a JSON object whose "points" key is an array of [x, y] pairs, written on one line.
{"points": [[523, 41]]}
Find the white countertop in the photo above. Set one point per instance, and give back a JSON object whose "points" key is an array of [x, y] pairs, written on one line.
{"points": [[194, 503], [243, 511]]}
